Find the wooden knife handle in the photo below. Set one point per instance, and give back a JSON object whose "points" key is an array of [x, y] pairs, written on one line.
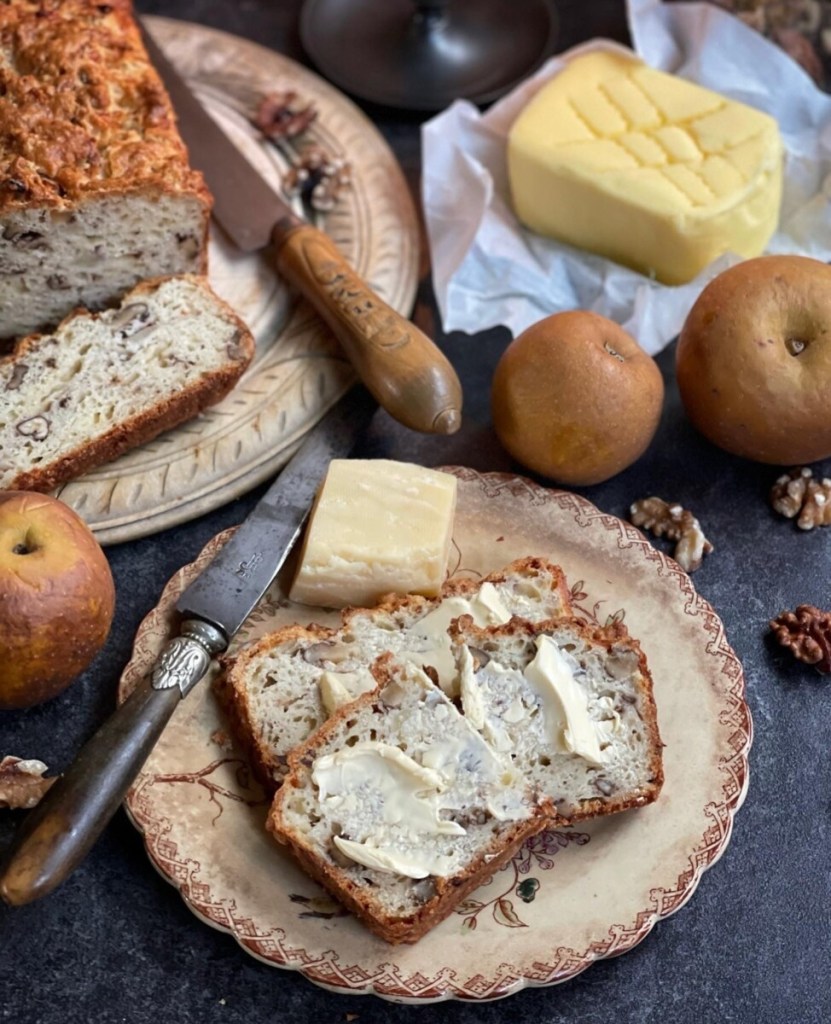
{"points": [[401, 366], [57, 834]]}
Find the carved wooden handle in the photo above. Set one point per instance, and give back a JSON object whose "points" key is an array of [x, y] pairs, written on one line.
{"points": [[400, 365]]}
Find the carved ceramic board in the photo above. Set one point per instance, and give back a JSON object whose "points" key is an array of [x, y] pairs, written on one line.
{"points": [[299, 371], [570, 896]]}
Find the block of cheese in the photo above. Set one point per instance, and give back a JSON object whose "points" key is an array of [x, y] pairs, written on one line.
{"points": [[377, 527], [645, 168]]}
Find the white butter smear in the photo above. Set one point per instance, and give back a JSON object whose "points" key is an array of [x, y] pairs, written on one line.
{"points": [[401, 792], [486, 608], [488, 270]]}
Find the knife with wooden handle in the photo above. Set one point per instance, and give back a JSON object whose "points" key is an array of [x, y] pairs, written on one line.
{"points": [[58, 833], [405, 371]]}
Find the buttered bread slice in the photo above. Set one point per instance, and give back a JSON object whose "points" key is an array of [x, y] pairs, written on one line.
{"points": [[645, 168], [280, 689], [400, 808], [570, 705]]}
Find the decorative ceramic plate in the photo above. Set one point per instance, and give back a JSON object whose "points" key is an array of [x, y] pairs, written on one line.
{"points": [[570, 896], [298, 371]]}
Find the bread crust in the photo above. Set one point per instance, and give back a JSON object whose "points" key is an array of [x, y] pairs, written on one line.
{"points": [[229, 688], [450, 891], [143, 427], [82, 110]]}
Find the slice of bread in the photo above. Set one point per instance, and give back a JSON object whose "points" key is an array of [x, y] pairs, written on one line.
{"points": [[570, 704], [399, 807], [104, 383], [280, 689]]}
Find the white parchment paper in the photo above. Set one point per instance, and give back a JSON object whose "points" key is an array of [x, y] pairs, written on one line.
{"points": [[488, 270]]}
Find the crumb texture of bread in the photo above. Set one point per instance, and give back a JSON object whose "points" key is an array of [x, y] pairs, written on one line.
{"points": [[280, 689], [398, 806], [104, 383], [96, 192], [571, 706]]}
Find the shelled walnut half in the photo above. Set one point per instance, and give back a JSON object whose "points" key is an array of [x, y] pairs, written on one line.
{"points": [[797, 494], [283, 115], [22, 783], [806, 632], [676, 523], [317, 177]]}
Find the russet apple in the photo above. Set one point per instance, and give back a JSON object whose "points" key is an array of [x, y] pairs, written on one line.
{"points": [[575, 398], [754, 360], [56, 597]]}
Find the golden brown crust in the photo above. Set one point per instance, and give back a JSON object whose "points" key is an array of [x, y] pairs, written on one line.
{"points": [[449, 891], [83, 112], [393, 604], [139, 429]]}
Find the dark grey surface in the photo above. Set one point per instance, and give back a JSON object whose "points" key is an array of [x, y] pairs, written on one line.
{"points": [[117, 944]]}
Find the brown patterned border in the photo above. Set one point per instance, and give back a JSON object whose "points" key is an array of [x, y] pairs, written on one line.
{"points": [[386, 979]]}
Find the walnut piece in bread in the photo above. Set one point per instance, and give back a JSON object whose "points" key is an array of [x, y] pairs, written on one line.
{"points": [[96, 192]]}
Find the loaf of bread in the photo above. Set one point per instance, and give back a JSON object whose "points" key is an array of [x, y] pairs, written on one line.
{"points": [[103, 383], [280, 689], [399, 808], [570, 704], [95, 189]]}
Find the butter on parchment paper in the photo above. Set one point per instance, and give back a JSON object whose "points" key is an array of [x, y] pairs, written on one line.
{"points": [[645, 168]]}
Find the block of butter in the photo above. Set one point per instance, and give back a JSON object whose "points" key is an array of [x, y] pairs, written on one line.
{"points": [[645, 168], [377, 527]]}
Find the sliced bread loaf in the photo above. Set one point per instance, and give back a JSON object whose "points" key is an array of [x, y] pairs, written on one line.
{"points": [[104, 383], [280, 689], [399, 807], [95, 189], [572, 707]]}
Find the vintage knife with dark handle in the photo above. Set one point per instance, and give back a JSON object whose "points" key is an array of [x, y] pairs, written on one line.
{"points": [[59, 832], [401, 366]]}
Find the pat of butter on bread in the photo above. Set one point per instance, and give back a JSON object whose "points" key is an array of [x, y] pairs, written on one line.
{"points": [[377, 527], [645, 168]]}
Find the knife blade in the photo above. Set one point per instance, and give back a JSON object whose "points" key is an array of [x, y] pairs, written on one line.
{"points": [[405, 371], [58, 833]]}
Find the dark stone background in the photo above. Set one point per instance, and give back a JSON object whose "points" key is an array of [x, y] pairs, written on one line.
{"points": [[116, 943]]}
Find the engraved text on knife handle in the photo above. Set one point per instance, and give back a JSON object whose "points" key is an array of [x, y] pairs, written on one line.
{"points": [[405, 371]]}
